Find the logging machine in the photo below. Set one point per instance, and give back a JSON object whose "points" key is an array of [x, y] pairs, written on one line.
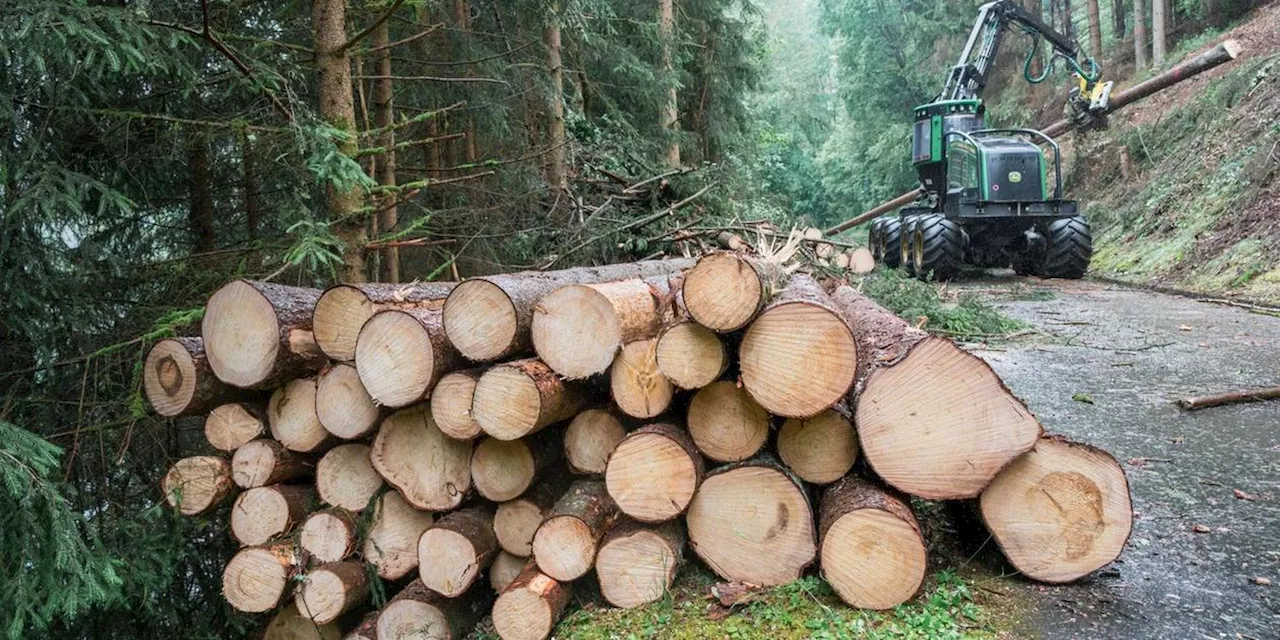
{"points": [[991, 197]]}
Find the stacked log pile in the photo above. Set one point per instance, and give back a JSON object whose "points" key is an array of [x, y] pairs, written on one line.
{"points": [[604, 424]]}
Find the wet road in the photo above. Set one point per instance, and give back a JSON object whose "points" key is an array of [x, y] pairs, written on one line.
{"points": [[1132, 352]]}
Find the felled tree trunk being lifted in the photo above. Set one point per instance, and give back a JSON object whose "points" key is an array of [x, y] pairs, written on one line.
{"points": [[517, 399], [590, 438], [391, 544], [266, 461], [331, 590], [343, 406], [233, 425], [195, 485], [654, 473], [726, 290], [870, 547], [178, 380], [258, 334], [517, 520], [690, 355], [566, 542], [417, 610], [431, 470], [344, 308], [637, 562], [503, 469], [530, 606], [638, 388], [402, 353], [456, 550], [345, 477]]}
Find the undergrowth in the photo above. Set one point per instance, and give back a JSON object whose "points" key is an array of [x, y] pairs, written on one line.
{"points": [[968, 317]]}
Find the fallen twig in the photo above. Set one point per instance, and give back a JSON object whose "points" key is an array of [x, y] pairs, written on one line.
{"points": [[1231, 397]]}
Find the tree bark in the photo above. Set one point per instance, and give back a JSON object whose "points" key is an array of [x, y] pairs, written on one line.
{"points": [[197, 484], [249, 187], [462, 18], [1231, 397], [345, 477], [257, 335], [637, 562], [343, 309], [332, 590], [518, 399], [265, 461], [201, 212], [383, 118], [1139, 35], [178, 380], [530, 606], [456, 550], [1158, 30], [391, 544], [654, 473], [565, 544], [262, 514], [556, 179], [1118, 11], [1095, 29], [870, 547], [726, 423], [670, 117], [431, 470]]}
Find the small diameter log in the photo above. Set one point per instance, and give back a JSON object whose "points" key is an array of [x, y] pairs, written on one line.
{"points": [[726, 290], [566, 542], [402, 353], [343, 406], [391, 545], [431, 470], [418, 613], [264, 513], [329, 535], [504, 570], [195, 485], [451, 404], [637, 563], [490, 318], [343, 309], [751, 522], [503, 469], [266, 461], [517, 520], [799, 357], [590, 438], [331, 590], [517, 399], [821, 449], [258, 334], [530, 606], [1059, 511], [871, 550], [726, 424], [293, 417], [861, 261], [933, 420], [178, 380], [456, 549], [233, 425], [691, 356], [345, 477], [258, 579], [638, 388], [654, 473], [288, 624]]}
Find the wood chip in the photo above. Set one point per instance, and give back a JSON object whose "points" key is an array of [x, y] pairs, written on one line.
{"points": [[1199, 528]]}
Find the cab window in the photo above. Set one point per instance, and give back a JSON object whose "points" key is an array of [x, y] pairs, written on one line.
{"points": [[962, 169]]}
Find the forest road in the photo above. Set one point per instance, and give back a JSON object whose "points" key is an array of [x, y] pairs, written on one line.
{"points": [[1205, 484]]}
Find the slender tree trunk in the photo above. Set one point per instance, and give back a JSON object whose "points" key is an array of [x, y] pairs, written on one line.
{"points": [[249, 185], [1118, 11], [1158, 30], [383, 118], [670, 109], [556, 160], [1068, 26], [201, 191], [1139, 35], [1095, 29], [462, 16], [1035, 8]]}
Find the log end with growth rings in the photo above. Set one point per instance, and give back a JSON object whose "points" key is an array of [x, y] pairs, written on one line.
{"points": [[872, 552], [343, 406], [233, 425], [820, 449], [576, 331], [451, 402], [638, 388], [257, 579], [396, 358], [590, 439], [691, 356], [345, 477], [726, 423], [195, 485], [480, 320], [654, 473], [170, 377], [293, 418], [723, 292], [339, 314]]}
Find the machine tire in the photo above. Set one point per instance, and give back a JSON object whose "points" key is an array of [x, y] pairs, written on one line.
{"points": [[939, 246], [888, 239], [905, 257], [1070, 247], [873, 240]]}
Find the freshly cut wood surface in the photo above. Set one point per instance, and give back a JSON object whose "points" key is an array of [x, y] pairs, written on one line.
{"points": [[196, 484], [592, 435], [259, 579], [230, 426], [691, 356], [820, 449], [329, 535], [933, 420], [751, 522], [456, 549], [637, 562], [293, 418], [178, 380], [1059, 511], [530, 606], [799, 357], [503, 469], [402, 353], [418, 613], [331, 590], [724, 291], [871, 549], [578, 329], [431, 470], [451, 404], [343, 309], [266, 461], [638, 388], [516, 399], [345, 477], [504, 570], [654, 472], [391, 545], [288, 624], [261, 514], [725, 422], [258, 334], [517, 520], [343, 406], [861, 261], [566, 542]]}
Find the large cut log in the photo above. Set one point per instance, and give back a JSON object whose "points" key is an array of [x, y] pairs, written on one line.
{"points": [[345, 477], [257, 335], [690, 355], [178, 380], [343, 406], [504, 570], [517, 520], [820, 449], [456, 550], [933, 420], [726, 424], [258, 579], [402, 353], [331, 590], [637, 562], [293, 418], [195, 485], [233, 425], [566, 542], [726, 290], [343, 309], [530, 606], [799, 357], [266, 461], [592, 435], [490, 318], [288, 624], [431, 470], [451, 404], [517, 399], [751, 522], [391, 545], [503, 469], [329, 535], [262, 514], [870, 547], [418, 613], [1059, 511], [639, 389], [654, 472]]}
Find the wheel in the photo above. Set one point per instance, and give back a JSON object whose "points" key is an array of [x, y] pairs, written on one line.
{"points": [[938, 246], [873, 240], [888, 240], [1070, 247], [904, 246]]}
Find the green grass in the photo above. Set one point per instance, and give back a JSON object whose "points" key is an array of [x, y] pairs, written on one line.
{"points": [[968, 317]]}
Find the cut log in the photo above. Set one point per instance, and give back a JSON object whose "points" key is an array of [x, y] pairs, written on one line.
{"points": [[637, 563], [293, 418], [517, 399], [329, 535], [530, 606], [343, 406], [451, 404], [871, 550], [266, 461], [259, 579], [402, 353], [1060, 511], [262, 514], [821, 449], [343, 309], [799, 357], [751, 522], [654, 473], [231, 426], [933, 420], [456, 549], [517, 520], [490, 318], [391, 545], [590, 438], [726, 424], [288, 624], [566, 542], [257, 335], [195, 485], [418, 613], [178, 380], [503, 469], [331, 590], [726, 290], [639, 389], [431, 470], [691, 356], [345, 477], [504, 570], [861, 261]]}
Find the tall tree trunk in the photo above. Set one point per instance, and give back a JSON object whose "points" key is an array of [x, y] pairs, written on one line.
{"points": [[201, 191], [1095, 29], [1068, 25], [1158, 30], [249, 185], [556, 161], [1139, 35], [670, 109], [462, 16], [337, 107], [383, 118], [1117, 18]]}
